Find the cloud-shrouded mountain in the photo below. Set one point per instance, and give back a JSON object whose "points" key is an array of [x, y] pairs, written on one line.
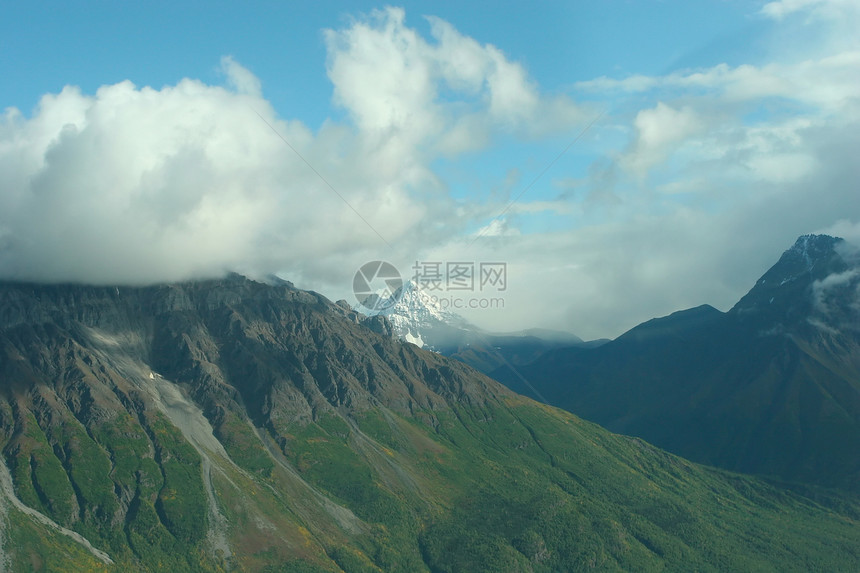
{"points": [[770, 387], [237, 426], [420, 318], [415, 137]]}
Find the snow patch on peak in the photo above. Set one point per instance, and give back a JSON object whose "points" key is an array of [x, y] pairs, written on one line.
{"points": [[416, 340]]}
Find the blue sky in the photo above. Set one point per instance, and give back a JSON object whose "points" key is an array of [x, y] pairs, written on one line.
{"points": [[138, 144], [46, 45]]}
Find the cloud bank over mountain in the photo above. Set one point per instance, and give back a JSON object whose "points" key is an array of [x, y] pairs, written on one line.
{"points": [[135, 184], [694, 179]]}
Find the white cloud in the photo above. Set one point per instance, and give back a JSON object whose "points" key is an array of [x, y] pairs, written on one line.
{"points": [[781, 168], [848, 230], [828, 83], [240, 78], [659, 131], [390, 79], [143, 185], [382, 73], [834, 280], [819, 8], [836, 300], [737, 125], [498, 227]]}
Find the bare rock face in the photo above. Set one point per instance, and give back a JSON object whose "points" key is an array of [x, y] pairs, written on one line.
{"points": [[231, 343]]}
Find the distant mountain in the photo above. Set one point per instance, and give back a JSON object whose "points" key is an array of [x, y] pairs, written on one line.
{"points": [[419, 318], [772, 387], [236, 426]]}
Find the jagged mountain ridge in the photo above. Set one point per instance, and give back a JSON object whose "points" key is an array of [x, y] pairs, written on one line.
{"points": [[231, 425], [770, 387]]}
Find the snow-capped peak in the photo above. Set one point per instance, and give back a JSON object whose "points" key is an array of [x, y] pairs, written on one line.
{"points": [[419, 316]]}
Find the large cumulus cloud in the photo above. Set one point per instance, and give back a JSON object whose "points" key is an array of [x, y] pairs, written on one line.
{"points": [[142, 185], [134, 184]]}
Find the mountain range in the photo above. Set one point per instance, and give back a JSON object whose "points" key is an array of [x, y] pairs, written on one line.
{"points": [[771, 387], [232, 425]]}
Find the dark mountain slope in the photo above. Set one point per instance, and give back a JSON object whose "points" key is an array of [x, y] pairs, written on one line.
{"points": [[771, 387], [231, 425]]}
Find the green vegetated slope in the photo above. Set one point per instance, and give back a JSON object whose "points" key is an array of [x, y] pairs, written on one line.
{"points": [[231, 425]]}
